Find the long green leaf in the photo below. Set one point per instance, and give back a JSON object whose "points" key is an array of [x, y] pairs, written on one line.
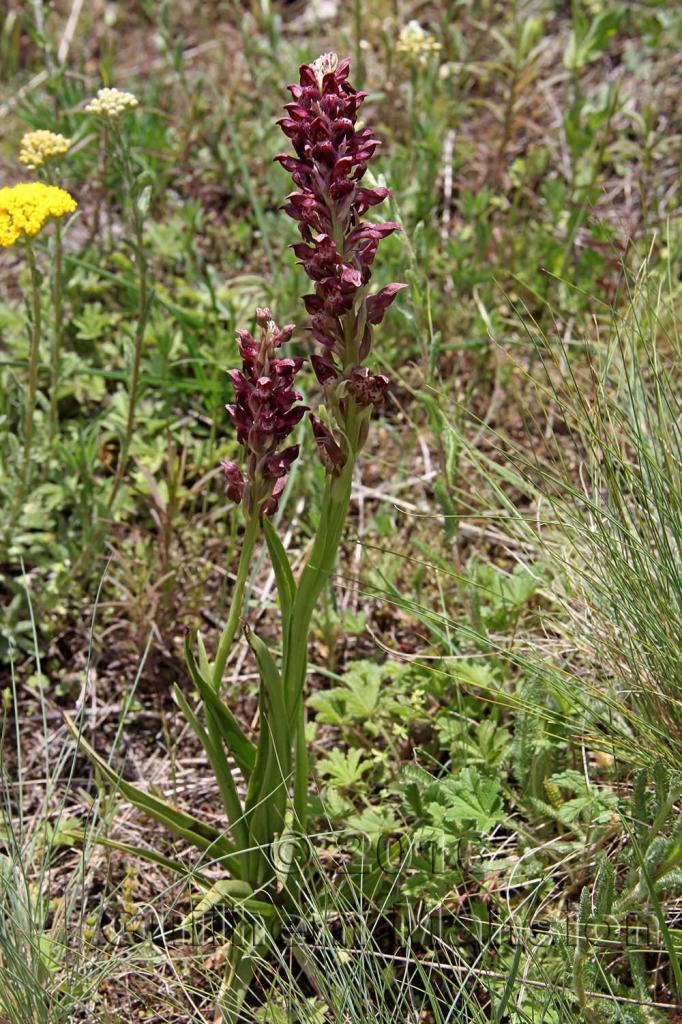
{"points": [[269, 795], [286, 586], [204, 837], [225, 890], [221, 770], [236, 894], [239, 745], [255, 810], [273, 685], [79, 836], [204, 665]]}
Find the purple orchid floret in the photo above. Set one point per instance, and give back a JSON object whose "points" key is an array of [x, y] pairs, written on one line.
{"points": [[264, 413], [338, 246], [234, 481], [331, 454], [367, 388]]}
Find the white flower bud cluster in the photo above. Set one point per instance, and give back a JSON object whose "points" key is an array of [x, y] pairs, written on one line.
{"points": [[111, 103], [42, 145], [415, 43]]}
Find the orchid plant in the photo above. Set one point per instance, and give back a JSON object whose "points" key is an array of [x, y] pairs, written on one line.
{"points": [[264, 785]]}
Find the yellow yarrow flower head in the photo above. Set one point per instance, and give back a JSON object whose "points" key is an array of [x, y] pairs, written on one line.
{"points": [[25, 208], [39, 146], [111, 103], [416, 44]]}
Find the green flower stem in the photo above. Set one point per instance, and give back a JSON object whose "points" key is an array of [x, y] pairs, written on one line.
{"points": [[36, 328], [301, 771], [135, 372], [58, 317], [315, 576], [248, 543], [139, 337], [321, 562], [268, 795], [55, 354], [137, 220]]}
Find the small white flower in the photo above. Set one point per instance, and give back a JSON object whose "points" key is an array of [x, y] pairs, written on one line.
{"points": [[42, 145], [323, 65], [111, 103], [416, 43]]}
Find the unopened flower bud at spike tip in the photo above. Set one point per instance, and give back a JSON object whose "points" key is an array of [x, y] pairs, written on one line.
{"points": [[323, 65]]}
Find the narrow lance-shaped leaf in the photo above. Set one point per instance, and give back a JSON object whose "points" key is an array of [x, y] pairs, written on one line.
{"points": [[268, 789], [221, 770], [234, 893], [204, 664], [273, 685], [286, 586], [204, 837], [189, 873], [239, 745]]}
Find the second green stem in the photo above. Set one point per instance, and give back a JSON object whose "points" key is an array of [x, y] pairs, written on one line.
{"points": [[228, 634]]}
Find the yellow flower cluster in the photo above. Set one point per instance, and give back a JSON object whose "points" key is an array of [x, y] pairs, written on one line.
{"points": [[37, 147], [416, 43], [111, 103], [25, 208]]}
